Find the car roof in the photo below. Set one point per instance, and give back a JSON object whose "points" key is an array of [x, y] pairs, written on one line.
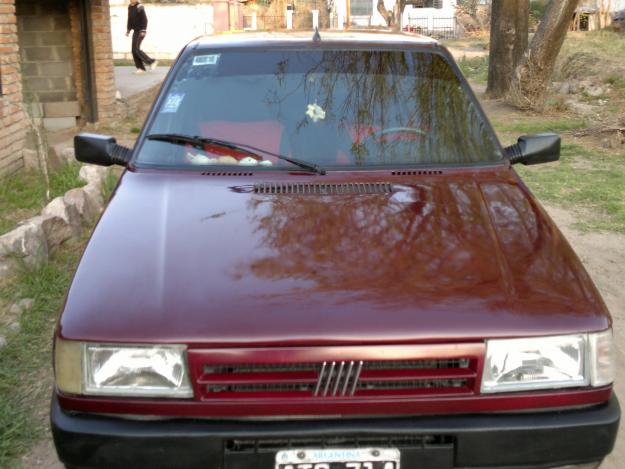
{"points": [[278, 38]]}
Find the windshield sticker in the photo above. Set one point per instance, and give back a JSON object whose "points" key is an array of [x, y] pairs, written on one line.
{"points": [[211, 59], [174, 100], [315, 112]]}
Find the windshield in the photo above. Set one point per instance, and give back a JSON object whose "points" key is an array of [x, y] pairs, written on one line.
{"points": [[333, 108]]}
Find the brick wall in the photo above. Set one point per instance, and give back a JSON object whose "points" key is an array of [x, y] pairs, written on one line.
{"points": [[13, 123], [50, 65]]}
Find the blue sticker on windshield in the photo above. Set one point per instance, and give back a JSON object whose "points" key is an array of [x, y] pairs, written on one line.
{"points": [[174, 100]]}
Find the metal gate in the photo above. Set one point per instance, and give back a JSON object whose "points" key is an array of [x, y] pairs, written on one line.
{"points": [[440, 28]]}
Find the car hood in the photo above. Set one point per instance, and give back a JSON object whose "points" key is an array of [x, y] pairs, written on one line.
{"points": [[207, 260]]}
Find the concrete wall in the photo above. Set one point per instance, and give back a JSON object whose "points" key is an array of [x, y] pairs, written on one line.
{"points": [[170, 28], [45, 50], [13, 123]]}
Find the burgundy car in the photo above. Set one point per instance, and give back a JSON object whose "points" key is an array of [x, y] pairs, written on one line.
{"points": [[320, 257]]}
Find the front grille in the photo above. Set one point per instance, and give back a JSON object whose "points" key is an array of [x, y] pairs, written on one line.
{"points": [[339, 379], [271, 188], [255, 446]]}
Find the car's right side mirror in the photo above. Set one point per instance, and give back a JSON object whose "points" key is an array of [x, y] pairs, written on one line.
{"points": [[535, 149], [100, 149]]}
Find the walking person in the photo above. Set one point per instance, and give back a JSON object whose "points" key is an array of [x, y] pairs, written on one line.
{"points": [[138, 23]]}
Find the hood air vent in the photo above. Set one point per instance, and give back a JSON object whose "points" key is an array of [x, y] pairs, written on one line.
{"points": [[233, 173], [430, 172], [323, 189]]}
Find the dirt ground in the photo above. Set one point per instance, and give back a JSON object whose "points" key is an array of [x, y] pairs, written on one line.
{"points": [[603, 255]]}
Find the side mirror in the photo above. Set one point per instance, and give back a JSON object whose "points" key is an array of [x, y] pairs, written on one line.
{"points": [[535, 149], [100, 149]]}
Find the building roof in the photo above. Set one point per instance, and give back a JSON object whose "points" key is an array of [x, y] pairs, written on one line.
{"points": [[368, 37]]}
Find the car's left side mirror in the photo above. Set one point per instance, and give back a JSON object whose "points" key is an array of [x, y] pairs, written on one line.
{"points": [[535, 149], [100, 149]]}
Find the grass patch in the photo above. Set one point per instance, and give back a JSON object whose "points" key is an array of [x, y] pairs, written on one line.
{"points": [[110, 181], [25, 361], [592, 180], [130, 63], [617, 81], [533, 127], [23, 195], [475, 69]]}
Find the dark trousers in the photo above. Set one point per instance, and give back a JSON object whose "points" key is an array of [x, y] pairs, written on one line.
{"points": [[141, 58]]}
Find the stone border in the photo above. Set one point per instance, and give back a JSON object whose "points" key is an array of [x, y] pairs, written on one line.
{"points": [[62, 219]]}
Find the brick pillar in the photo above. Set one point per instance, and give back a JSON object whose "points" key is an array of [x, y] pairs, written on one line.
{"points": [[102, 62], [13, 122], [103, 58], [76, 52]]}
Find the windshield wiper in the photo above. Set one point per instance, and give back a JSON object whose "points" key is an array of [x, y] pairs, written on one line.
{"points": [[199, 142]]}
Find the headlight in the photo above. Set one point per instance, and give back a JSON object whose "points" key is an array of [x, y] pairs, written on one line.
{"points": [[122, 370], [548, 362]]}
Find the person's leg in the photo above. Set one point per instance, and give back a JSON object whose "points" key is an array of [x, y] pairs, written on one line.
{"points": [[136, 41], [145, 58]]}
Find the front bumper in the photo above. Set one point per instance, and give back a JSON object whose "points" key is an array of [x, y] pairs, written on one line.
{"points": [[540, 440]]}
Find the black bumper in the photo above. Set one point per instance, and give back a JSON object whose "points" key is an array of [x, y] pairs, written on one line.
{"points": [[545, 439]]}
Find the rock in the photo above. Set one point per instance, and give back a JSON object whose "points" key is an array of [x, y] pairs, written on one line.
{"points": [[68, 155], [565, 88], [18, 308], [94, 195], [31, 159], [580, 108], [612, 141], [595, 91], [26, 303], [92, 174], [3, 341], [15, 326], [68, 213], [6, 267], [118, 95], [79, 199], [56, 229], [27, 242], [574, 87]]}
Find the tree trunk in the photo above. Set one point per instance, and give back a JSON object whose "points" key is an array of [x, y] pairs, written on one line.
{"points": [[398, 9], [531, 77], [387, 15], [508, 42], [521, 31]]}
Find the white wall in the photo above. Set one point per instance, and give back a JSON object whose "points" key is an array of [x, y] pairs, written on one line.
{"points": [[447, 11], [170, 27]]}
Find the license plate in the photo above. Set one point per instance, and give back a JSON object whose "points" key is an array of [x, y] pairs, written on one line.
{"points": [[338, 458]]}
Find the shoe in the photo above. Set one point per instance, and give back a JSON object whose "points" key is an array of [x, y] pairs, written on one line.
{"points": [[139, 71], [153, 65]]}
